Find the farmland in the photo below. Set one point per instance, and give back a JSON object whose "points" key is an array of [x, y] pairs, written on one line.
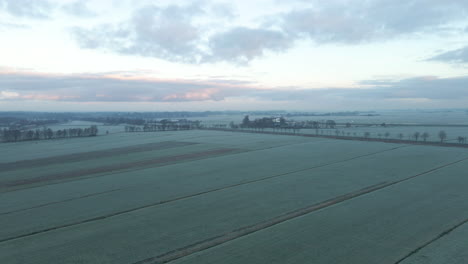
{"points": [[205, 196]]}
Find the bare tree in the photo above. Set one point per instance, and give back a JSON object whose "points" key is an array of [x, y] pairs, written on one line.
{"points": [[400, 136], [387, 134], [424, 136], [245, 122], [442, 135], [416, 136], [330, 124]]}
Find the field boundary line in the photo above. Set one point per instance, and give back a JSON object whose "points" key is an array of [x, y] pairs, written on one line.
{"points": [[439, 236], [189, 196], [235, 234], [61, 201]]}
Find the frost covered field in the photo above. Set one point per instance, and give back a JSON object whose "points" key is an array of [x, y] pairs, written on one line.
{"points": [[224, 197]]}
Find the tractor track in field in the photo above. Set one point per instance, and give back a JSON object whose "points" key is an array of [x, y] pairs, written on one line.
{"points": [[61, 201], [446, 232], [92, 155], [221, 239], [189, 196], [117, 167]]}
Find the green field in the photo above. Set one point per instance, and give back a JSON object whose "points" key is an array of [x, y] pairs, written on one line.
{"points": [[225, 197]]}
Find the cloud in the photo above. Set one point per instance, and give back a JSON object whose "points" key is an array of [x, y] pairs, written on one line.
{"points": [[242, 44], [37, 9], [8, 95], [351, 22], [111, 88], [198, 33], [116, 87], [172, 33], [161, 32], [453, 56], [428, 88], [223, 10], [78, 8]]}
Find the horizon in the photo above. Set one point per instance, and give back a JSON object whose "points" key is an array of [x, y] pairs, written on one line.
{"points": [[253, 111]]}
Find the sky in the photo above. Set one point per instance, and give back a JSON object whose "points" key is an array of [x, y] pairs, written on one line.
{"points": [[190, 55]]}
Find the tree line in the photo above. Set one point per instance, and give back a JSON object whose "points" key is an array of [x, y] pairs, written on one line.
{"points": [[8, 121], [165, 125], [326, 127], [281, 122], [15, 135], [416, 136]]}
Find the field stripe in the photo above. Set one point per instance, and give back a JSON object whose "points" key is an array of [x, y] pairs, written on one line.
{"points": [[240, 151], [189, 196], [91, 155], [218, 240], [61, 201], [117, 167], [446, 232]]}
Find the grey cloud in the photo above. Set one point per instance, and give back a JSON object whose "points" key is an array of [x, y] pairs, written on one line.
{"points": [[453, 56], [360, 21], [38, 9], [99, 88], [427, 88], [166, 33], [105, 36], [95, 88], [243, 44], [170, 33], [175, 32], [78, 8]]}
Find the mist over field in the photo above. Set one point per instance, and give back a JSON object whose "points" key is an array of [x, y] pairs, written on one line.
{"points": [[214, 131]]}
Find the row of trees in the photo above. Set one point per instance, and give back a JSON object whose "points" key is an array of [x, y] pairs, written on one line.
{"points": [[15, 135], [281, 122], [20, 122], [416, 136], [165, 125], [260, 124]]}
